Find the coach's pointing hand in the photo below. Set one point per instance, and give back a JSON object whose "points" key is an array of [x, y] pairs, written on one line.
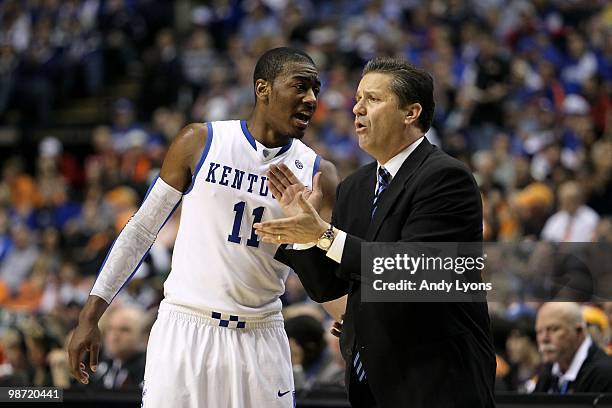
{"points": [[304, 227]]}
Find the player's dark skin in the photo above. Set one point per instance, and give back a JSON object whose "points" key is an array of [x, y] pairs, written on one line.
{"points": [[273, 123]]}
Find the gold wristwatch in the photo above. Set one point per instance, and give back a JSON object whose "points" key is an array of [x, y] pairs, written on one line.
{"points": [[325, 241]]}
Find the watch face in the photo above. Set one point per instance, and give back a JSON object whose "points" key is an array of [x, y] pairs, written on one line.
{"points": [[325, 242]]}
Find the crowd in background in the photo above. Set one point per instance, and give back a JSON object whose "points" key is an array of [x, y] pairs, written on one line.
{"points": [[523, 96]]}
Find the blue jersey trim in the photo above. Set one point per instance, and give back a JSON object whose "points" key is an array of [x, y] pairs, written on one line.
{"points": [[150, 188], [248, 134], [284, 148], [209, 139], [315, 167]]}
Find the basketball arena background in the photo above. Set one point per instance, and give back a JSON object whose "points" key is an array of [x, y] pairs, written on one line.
{"points": [[93, 91]]}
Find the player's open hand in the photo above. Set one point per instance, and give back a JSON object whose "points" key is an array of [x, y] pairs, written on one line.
{"points": [[285, 186], [304, 227], [86, 337]]}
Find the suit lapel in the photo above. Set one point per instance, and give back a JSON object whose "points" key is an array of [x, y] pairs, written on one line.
{"points": [[397, 186], [361, 207], [365, 197]]}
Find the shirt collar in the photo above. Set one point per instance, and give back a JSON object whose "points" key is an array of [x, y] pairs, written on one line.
{"points": [[577, 361], [394, 164]]}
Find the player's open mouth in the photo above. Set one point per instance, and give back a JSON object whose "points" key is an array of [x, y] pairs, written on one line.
{"points": [[302, 119]]}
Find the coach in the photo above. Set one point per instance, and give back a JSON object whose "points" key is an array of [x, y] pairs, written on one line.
{"points": [[398, 354]]}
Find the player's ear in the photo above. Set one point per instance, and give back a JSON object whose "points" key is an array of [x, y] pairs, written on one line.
{"points": [[262, 89]]}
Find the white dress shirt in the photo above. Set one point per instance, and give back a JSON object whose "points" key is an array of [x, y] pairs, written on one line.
{"points": [[572, 372], [392, 165]]}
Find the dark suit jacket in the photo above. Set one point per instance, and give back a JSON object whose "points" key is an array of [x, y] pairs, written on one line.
{"points": [[595, 375], [415, 354]]}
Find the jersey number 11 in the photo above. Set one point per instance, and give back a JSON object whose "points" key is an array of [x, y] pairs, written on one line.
{"points": [[257, 215]]}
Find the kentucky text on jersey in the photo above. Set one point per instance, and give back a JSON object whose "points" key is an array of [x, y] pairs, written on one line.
{"points": [[234, 178]]}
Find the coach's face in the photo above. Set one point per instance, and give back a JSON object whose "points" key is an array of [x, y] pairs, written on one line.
{"points": [[379, 120], [293, 99]]}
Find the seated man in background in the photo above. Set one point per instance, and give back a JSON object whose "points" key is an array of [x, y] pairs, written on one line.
{"points": [[124, 349], [574, 363]]}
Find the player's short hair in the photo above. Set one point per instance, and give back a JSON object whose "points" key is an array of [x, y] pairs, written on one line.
{"points": [[273, 61], [410, 84]]}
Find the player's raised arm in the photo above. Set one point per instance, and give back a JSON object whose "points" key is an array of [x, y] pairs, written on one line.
{"points": [[133, 243]]}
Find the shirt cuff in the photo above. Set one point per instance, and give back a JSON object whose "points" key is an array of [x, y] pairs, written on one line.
{"points": [[301, 247], [337, 247]]}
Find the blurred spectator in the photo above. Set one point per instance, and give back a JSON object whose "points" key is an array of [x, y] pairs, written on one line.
{"points": [[574, 222], [603, 233], [122, 29], [16, 25], [523, 356], [197, 61], [162, 75], [259, 22], [337, 135], [126, 131], [597, 325], [313, 363], [532, 206], [574, 363], [14, 370], [217, 100], [39, 344], [122, 366], [102, 167], [490, 87], [9, 63], [39, 69], [5, 238], [580, 63], [600, 181], [83, 56], [18, 264]]}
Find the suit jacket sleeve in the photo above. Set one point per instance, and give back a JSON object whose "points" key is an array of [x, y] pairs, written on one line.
{"points": [[317, 272], [447, 208]]}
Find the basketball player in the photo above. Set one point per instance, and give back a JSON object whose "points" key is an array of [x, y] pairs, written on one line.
{"points": [[219, 340]]}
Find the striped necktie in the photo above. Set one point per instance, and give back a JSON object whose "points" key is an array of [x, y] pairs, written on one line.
{"points": [[359, 368], [384, 178]]}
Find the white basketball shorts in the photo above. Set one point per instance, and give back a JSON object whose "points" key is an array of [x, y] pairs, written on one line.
{"points": [[207, 359]]}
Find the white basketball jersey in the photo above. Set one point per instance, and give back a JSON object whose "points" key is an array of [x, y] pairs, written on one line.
{"points": [[219, 263]]}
